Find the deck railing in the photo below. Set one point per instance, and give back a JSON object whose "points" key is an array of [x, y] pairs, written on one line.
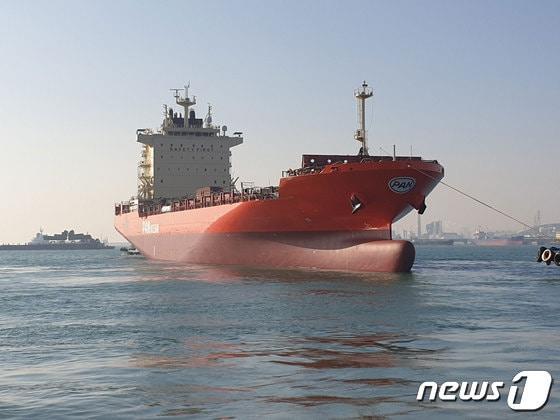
{"points": [[150, 208]]}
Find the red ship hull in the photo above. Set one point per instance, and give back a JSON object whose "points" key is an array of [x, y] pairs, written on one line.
{"points": [[311, 224]]}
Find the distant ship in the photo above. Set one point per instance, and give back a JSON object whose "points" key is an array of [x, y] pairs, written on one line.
{"points": [[66, 240], [482, 238], [334, 212], [433, 241]]}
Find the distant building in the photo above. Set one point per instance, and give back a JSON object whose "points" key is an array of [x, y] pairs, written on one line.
{"points": [[434, 229]]}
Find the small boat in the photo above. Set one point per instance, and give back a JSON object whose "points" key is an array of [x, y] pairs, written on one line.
{"points": [[549, 255]]}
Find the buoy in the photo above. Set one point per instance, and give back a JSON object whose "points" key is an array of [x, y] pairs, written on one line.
{"points": [[547, 256]]}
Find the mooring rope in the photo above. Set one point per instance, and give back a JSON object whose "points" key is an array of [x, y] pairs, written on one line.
{"points": [[503, 213], [475, 199]]}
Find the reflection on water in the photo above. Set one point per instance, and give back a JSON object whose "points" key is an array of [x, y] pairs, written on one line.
{"points": [[341, 365], [313, 400], [383, 350], [99, 334], [161, 270]]}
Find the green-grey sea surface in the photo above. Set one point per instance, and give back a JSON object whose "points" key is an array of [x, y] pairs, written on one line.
{"points": [[100, 335]]}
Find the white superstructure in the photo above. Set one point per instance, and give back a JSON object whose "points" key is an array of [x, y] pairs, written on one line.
{"points": [[186, 154]]}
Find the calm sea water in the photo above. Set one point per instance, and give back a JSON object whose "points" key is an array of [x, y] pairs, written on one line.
{"points": [[98, 334]]}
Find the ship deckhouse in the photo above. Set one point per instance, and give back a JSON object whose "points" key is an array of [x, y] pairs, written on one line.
{"points": [[186, 154]]}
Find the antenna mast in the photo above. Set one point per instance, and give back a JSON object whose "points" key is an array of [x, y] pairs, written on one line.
{"points": [[185, 102], [209, 117], [361, 96]]}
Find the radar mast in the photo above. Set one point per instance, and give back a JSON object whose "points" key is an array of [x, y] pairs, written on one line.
{"points": [[185, 101], [361, 135]]}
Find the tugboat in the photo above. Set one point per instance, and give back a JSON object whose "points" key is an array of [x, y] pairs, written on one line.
{"points": [[334, 212]]}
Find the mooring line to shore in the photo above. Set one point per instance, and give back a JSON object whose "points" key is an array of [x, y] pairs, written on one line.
{"points": [[475, 199]]}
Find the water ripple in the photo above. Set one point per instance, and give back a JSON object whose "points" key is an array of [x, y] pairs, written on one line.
{"points": [[96, 334]]}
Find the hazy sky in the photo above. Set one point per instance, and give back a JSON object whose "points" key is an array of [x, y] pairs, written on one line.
{"points": [[473, 84]]}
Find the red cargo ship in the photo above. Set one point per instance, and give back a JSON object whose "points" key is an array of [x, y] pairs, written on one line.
{"points": [[335, 212]]}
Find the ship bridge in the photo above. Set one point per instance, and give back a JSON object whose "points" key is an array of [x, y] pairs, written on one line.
{"points": [[185, 154]]}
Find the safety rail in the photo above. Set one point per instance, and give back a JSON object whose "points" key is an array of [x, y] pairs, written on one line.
{"points": [[150, 208], [314, 164], [302, 171]]}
